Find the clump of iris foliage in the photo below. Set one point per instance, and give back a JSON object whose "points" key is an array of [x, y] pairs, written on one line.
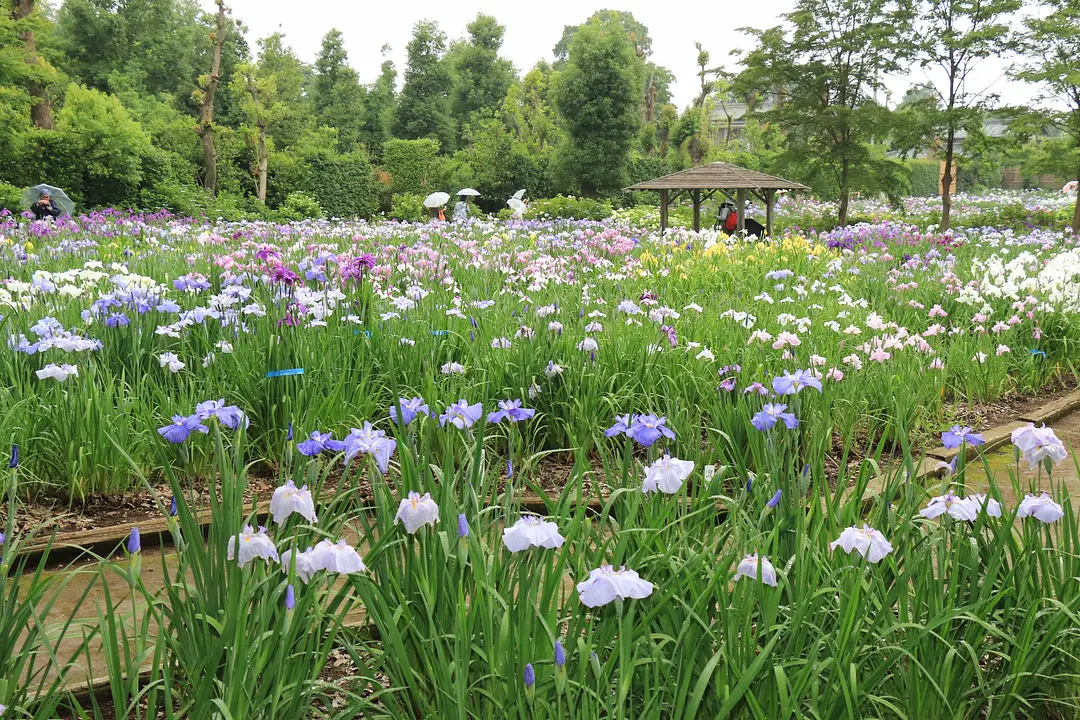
{"points": [[116, 326], [685, 591]]}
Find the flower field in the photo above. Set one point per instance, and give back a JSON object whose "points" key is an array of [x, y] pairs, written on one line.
{"points": [[735, 531]]}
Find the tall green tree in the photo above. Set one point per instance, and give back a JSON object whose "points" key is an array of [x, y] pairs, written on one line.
{"points": [[278, 61], [527, 109], [339, 98], [379, 104], [481, 77], [953, 38], [205, 95], [598, 94], [150, 46], [423, 108], [656, 79], [39, 74], [825, 69], [1051, 44]]}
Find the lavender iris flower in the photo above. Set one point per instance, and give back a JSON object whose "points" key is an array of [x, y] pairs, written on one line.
{"points": [[647, 429], [956, 436], [510, 410], [621, 426], [775, 500], [462, 526], [290, 598], [372, 442], [770, 414], [14, 457], [792, 383], [410, 409], [181, 428], [229, 415], [134, 543], [461, 414], [320, 442]]}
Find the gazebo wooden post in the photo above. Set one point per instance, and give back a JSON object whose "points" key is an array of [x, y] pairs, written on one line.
{"points": [[697, 210], [663, 211], [770, 198], [740, 208]]}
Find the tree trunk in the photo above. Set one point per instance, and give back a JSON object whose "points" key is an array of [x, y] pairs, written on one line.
{"points": [[41, 112], [264, 162], [205, 128], [1076, 216], [841, 213], [947, 179]]}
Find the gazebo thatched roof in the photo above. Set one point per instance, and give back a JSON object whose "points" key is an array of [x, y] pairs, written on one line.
{"points": [[718, 176]]}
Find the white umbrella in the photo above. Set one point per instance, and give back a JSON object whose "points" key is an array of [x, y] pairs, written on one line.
{"points": [[519, 194], [517, 205], [468, 191], [436, 199]]}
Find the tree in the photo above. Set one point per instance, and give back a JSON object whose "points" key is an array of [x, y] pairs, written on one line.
{"points": [[39, 72], [339, 101], [1052, 46], [205, 97], [656, 80], [481, 77], [597, 95], [527, 109], [825, 73], [277, 60], [423, 109], [954, 37], [379, 104], [148, 46]]}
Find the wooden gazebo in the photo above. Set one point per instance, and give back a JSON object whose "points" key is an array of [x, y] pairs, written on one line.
{"points": [[718, 177]]}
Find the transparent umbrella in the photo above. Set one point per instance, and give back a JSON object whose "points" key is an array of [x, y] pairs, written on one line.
{"points": [[517, 205], [468, 191], [436, 199], [32, 194], [519, 194]]}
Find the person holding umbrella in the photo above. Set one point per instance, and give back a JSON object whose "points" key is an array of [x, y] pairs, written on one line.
{"points": [[461, 210], [44, 208], [46, 201], [434, 203]]}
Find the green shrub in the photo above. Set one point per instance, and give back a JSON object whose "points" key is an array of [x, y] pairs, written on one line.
{"points": [[300, 206], [408, 207], [925, 177], [413, 165], [570, 208], [10, 197], [343, 185]]}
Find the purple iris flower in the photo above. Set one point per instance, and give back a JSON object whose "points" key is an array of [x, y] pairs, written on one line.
{"points": [[14, 463], [671, 336], [134, 543], [290, 598], [510, 410], [956, 436], [462, 526], [182, 427], [461, 414], [320, 442], [229, 415], [372, 442], [117, 320], [727, 384], [647, 429], [775, 499], [410, 409], [792, 383], [770, 414], [621, 426], [756, 388]]}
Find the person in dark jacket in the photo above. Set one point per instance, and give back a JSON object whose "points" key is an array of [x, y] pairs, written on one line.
{"points": [[44, 208]]}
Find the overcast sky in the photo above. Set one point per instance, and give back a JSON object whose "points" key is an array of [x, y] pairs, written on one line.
{"points": [[533, 28]]}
